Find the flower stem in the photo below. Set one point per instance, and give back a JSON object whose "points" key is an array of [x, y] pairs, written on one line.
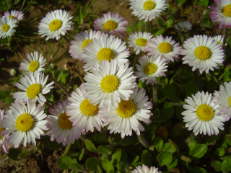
{"points": [[66, 150]]}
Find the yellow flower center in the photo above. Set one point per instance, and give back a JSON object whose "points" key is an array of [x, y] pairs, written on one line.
{"points": [[141, 42], [24, 122], [227, 10], [85, 43], [229, 101], [88, 109], [149, 5], [203, 53], [64, 122], [33, 90], [55, 25], [165, 47], [33, 66], [12, 17], [126, 108], [150, 68], [109, 83], [1, 130], [5, 27], [105, 54], [205, 112], [110, 25]]}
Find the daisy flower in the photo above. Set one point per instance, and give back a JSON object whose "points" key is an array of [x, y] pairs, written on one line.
{"points": [[55, 24], [138, 41], [26, 122], [34, 62], [202, 53], [7, 27], [221, 13], [108, 48], [223, 98], [111, 23], [81, 41], [150, 68], [202, 114], [165, 47], [34, 86], [219, 39], [109, 83], [60, 128], [127, 115], [146, 169], [147, 10], [4, 135], [84, 112], [14, 14]]}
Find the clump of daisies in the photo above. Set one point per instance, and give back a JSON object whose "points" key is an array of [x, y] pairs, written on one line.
{"points": [[55, 24], [221, 13]]}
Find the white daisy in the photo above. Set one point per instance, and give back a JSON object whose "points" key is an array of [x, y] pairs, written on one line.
{"points": [[60, 128], [34, 86], [109, 83], [150, 68], [4, 135], [7, 27], [202, 53], [34, 62], [111, 23], [165, 47], [14, 14], [55, 24], [26, 123], [127, 115], [138, 41], [219, 39], [202, 114], [223, 98], [146, 169], [84, 112], [107, 48], [221, 13], [147, 10], [81, 41]]}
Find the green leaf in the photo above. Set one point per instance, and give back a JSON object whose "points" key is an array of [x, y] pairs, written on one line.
{"points": [[107, 165], [146, 157], [62, 77], [92, 164], [195, 149], [216, 165], [180, 2], [226, 164], [164, 158], [66, 162], [117, 156], [89, 145], [169, 147], [203, 3]]}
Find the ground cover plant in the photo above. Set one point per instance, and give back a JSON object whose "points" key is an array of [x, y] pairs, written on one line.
{"points": [[124, 86]]}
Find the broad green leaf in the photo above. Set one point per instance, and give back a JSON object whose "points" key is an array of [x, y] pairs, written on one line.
{"points": [[226, 164], [92, 164], [164, 158], [89, 145]]}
